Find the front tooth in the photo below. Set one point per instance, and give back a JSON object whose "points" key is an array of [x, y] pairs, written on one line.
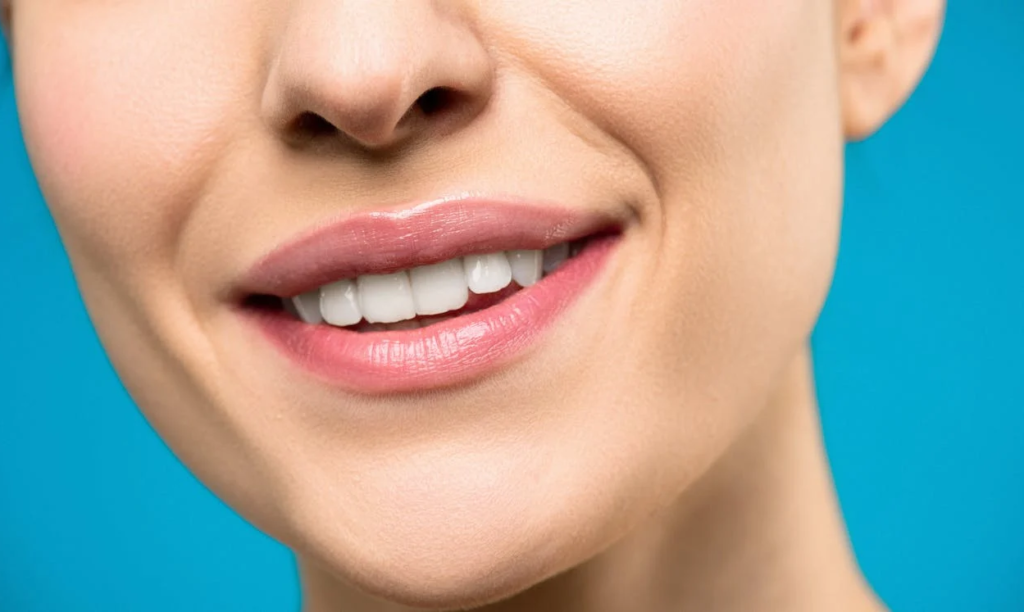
{"points": [[308, 307], [487, 273], [526, 266], [339, 303], [438, 288], [385, 298], [555, 256]]}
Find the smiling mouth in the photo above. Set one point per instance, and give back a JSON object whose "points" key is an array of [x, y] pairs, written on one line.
{"points": [[425, 295], [430, 296]]}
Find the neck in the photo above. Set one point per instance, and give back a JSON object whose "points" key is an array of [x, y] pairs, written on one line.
{"points": [[761, 530]]}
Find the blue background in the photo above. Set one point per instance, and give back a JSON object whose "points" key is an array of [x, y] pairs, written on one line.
{"points": [[918, 353]]}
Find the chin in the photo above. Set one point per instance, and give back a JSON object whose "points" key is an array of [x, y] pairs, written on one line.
{"points": [[445, 578], [450, 533], [426, 562]]}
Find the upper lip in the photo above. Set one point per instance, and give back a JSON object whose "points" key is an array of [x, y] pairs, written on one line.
{"points": [[383, 241]]}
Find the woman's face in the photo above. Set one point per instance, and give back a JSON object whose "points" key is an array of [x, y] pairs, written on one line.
{"points": [[180, 143]]}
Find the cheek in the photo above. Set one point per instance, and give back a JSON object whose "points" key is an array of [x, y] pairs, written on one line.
{"points": [[120, 135], [674, 81], [731, 108]]}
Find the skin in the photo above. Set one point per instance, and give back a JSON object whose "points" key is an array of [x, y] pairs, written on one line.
{"points": [[659, 449]]}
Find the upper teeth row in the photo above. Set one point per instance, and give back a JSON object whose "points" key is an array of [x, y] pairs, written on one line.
{"points": [[425, 290]]}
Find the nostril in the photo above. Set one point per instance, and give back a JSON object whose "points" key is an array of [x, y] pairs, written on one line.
{"points": [[434, 104], [436, 100], [312, 125]]}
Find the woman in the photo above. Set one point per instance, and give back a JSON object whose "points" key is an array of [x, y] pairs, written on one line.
{"points": [[497, 305]]}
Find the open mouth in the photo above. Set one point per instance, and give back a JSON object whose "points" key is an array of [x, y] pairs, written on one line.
{"points": [[425, 295], [429, 296]]}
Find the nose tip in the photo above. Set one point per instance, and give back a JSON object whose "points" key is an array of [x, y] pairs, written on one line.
{"points": [[374, 73]]}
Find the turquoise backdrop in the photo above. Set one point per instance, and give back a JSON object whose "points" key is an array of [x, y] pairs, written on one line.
{"points": [[919, 353]]}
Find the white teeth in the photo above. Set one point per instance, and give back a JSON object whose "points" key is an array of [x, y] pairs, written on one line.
{"points": [[307, 305], [555, 256], [439, 287], [386, 298], [339, 303], [487, 273], [526, 266]]}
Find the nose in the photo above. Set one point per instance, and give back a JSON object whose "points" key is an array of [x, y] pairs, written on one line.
{"points": [[375, 72]]}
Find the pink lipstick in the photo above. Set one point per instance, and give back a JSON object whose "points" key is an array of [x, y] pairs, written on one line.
{"points": [[425, 352]]}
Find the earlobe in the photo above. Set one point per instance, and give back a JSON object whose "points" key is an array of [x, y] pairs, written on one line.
{"points": [[885, 46]]}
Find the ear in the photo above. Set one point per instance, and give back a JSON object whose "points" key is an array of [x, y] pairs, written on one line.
{"points": [[884, 48]]}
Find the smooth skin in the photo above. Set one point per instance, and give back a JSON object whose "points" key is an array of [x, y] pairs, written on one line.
{"points": [[659, 449]]}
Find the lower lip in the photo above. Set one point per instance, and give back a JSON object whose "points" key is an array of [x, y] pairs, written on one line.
{"points": [[453, 352]]}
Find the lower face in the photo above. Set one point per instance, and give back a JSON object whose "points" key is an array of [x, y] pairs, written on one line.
{"points": [[689, 152]]}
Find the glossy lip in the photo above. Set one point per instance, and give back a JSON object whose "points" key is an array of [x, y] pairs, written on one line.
{"points": [[379, 242], [445, 354], [455, 351]]}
